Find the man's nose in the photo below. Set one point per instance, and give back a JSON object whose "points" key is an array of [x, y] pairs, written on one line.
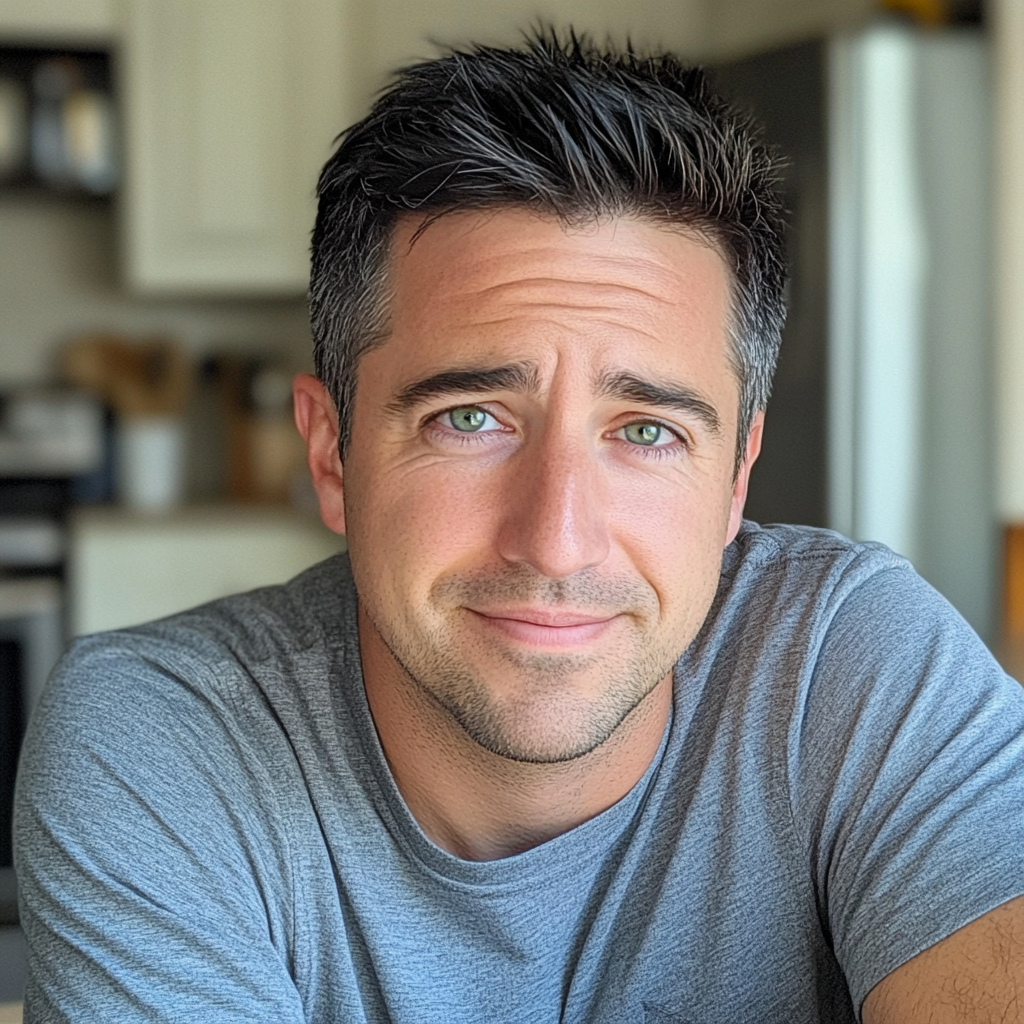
{"points": [[556, 511]]}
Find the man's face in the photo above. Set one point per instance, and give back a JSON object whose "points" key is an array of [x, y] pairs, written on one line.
{"points": [[539, 484]]}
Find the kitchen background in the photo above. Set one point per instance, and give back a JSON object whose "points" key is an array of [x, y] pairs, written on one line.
{"points": [[157, 164]]}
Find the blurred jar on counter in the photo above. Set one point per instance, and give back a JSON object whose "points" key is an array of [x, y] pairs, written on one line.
{"points": [[262, 457], [146, 381]]}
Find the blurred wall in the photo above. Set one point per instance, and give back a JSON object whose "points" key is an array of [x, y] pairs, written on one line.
{"points": [[57, 19], [737, 28], [392, 32], [59, 279], [1008, 38]]}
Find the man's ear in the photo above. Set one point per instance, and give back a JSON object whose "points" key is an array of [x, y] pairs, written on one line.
{"points": [[742, 481], [317, 420]]}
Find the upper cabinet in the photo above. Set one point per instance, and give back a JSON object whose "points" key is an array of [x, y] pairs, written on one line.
{"points": [[231, 108]]}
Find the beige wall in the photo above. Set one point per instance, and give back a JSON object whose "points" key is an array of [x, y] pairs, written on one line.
{"points": [[735, 28], [58, 278], [59, 20], [394, 32]]}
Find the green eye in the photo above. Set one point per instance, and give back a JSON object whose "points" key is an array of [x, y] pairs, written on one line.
{"points": [[467, 418], [643, 433]]}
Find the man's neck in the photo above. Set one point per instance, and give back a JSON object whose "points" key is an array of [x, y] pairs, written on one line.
{"points": [[479, 805]]}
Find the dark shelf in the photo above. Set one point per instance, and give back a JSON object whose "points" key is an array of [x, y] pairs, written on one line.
{"points": [[59, 130]]}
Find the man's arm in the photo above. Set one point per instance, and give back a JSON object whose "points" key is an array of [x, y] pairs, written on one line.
{"points": [[911, 774], [147, 892], [974, 976]]}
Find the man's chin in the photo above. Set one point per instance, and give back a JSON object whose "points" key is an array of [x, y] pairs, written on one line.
{"points": [[559, 724], [523, 747]]}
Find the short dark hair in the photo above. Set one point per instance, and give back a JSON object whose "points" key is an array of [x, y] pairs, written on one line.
{"points": [[560, 127]]}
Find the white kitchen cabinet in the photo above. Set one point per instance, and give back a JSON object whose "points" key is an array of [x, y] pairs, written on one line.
{"points": [[231, 107], [126, 568]]}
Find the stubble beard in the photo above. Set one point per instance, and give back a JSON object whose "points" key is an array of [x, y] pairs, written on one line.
{"points": [[550, 712]]}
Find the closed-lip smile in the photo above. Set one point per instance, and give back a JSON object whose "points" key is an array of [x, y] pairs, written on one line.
{"points": [[546, 627]]}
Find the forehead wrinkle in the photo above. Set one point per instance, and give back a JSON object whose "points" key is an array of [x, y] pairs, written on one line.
{"points": [[560, 282], [598, 315]]}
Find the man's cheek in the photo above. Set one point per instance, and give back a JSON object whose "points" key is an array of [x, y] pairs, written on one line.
{"points": [[422, 520]]}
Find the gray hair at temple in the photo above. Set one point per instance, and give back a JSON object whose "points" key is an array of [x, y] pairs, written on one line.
{"points": [[560, 127]]}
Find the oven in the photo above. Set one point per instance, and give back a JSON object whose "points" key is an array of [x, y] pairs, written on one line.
{"points": [[31, 641], [52, 452]]}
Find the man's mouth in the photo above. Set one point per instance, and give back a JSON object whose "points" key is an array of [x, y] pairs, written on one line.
{"points": [[546, 627]]}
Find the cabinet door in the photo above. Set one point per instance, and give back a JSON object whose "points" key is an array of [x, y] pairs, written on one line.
{"points": [[231, 109], [127, 568]]}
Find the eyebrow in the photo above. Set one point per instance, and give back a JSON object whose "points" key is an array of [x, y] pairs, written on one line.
{"points": [[522, 377], [667, 394]]}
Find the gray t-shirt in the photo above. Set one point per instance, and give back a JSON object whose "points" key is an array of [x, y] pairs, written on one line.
{"points": [[207, 829]]}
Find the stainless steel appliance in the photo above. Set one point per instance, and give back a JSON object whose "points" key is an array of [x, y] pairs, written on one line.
{"points": [[50, 441]]}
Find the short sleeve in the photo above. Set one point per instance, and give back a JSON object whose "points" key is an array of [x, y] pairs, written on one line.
{"points": [[909, 777], [153, 887]]}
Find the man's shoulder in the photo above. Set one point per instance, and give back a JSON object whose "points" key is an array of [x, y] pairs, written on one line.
{"points": [[801, 606], [796, 603], [776, 545], [780, 562], [214, 693]]}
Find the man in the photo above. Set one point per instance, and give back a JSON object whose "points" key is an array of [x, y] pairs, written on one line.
{"points": [[563, 739]]}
